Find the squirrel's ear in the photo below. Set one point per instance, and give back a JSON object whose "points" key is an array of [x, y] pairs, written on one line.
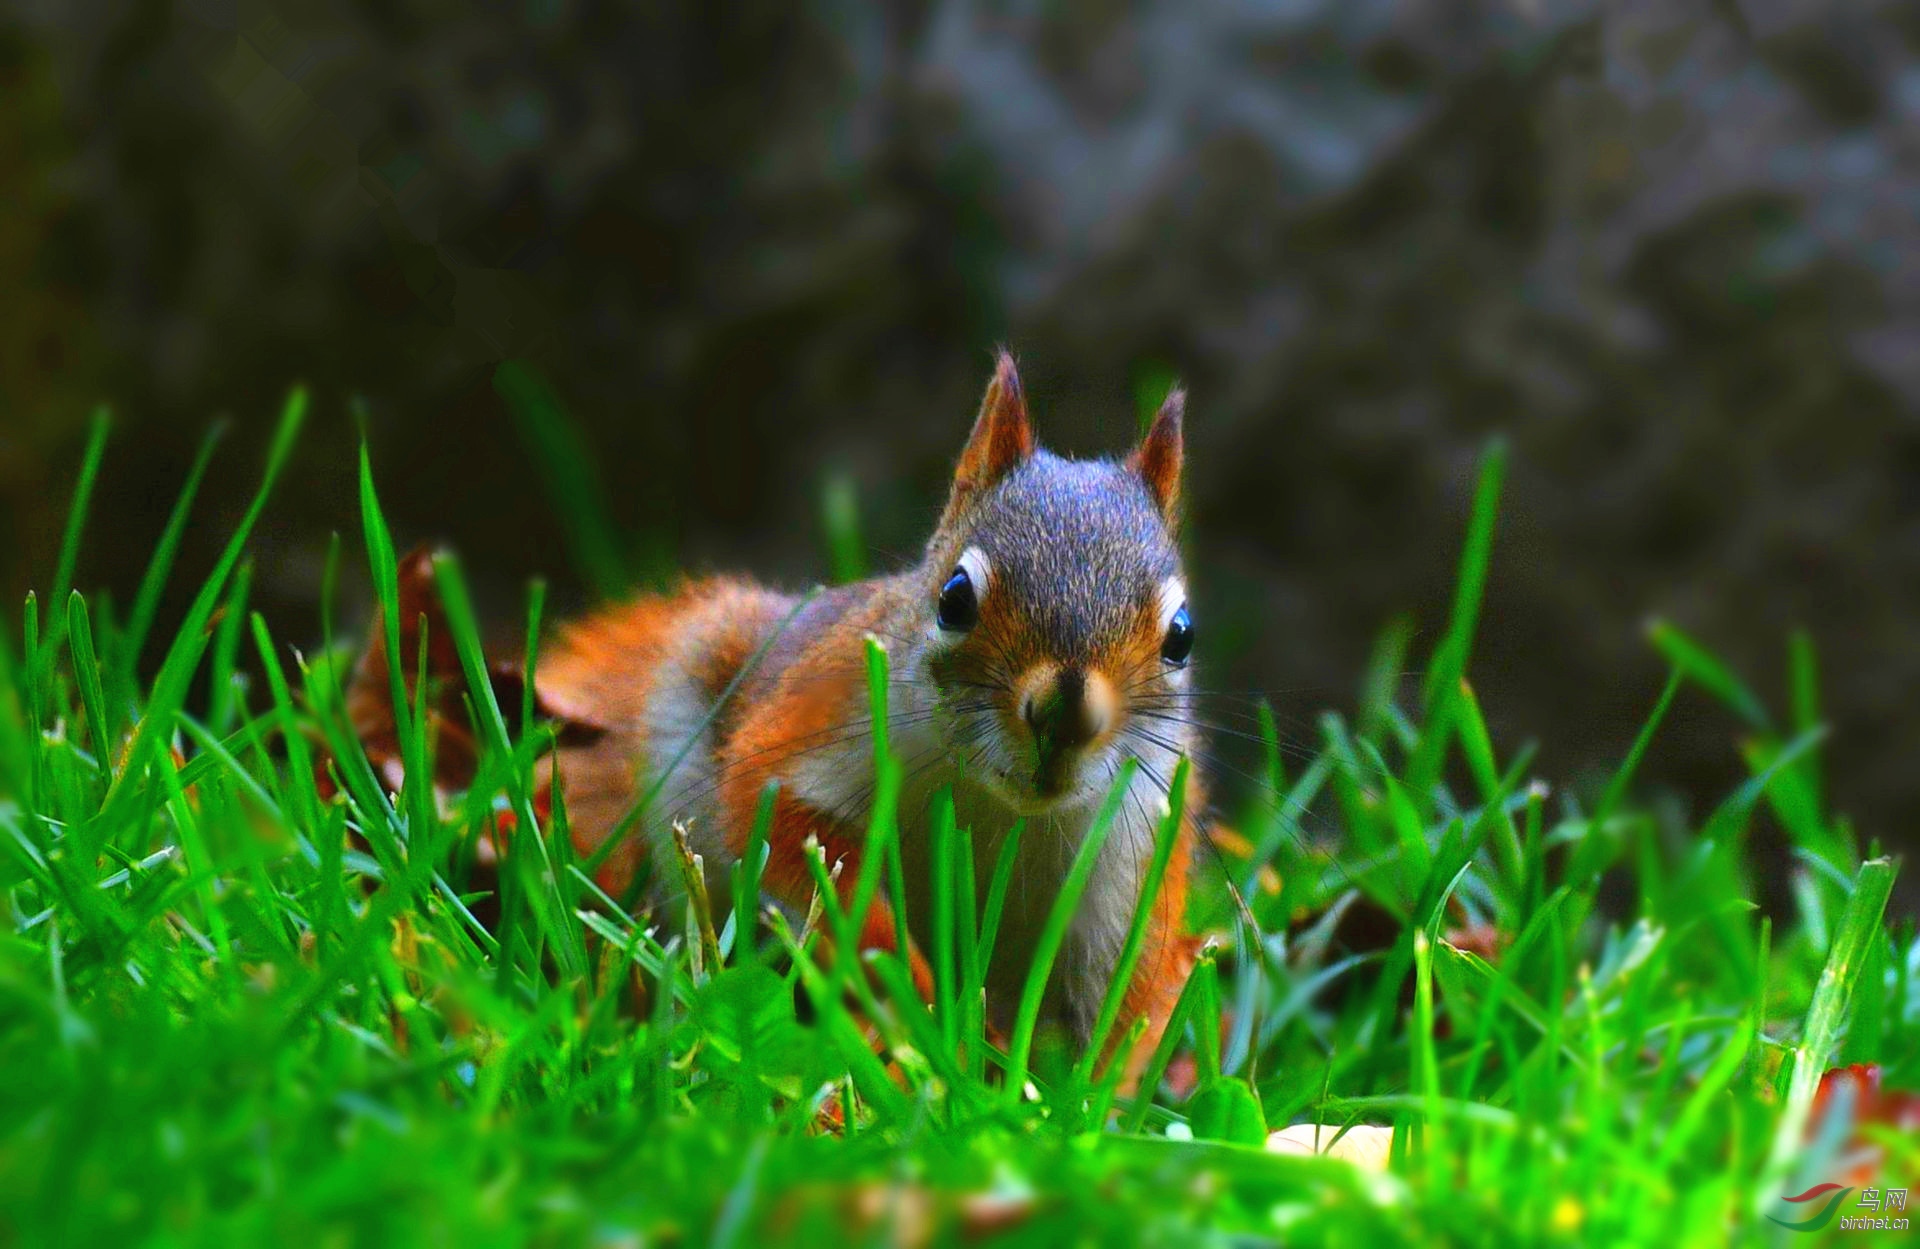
{"points": [[1157, 458], [1002, 436]]}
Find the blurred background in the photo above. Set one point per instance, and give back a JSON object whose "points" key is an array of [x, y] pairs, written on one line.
{"points": [[761, 252]]}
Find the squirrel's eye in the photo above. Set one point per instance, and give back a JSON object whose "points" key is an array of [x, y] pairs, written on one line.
{"points": [[959, 609], [1179, 642]]}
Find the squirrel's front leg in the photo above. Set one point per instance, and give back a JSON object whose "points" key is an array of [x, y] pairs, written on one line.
{"points": [[788, 878]]}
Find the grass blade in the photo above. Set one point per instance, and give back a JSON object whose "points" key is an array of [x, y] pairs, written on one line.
{"points": [[77, 512], [86, 670], [1859, 926], [561, 457], [1623, 775], [183, 657], [552, 904], [146, 601], [1450, 661], [1696, 662], [1054, 933], [840, 517], [1166, 835]]}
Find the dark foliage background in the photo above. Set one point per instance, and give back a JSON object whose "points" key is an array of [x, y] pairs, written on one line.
{"points": [[1670, 249]]}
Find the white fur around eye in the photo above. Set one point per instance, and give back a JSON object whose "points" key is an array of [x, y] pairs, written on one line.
{"points": [[1172, 597], [979, 570]]}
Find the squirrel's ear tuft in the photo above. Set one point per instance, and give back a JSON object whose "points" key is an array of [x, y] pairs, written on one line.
{"points": [[1157, 458], [1002, 436]]}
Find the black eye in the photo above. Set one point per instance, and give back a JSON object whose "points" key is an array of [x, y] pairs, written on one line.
{"points": [[959, 609], [1179, 643]]}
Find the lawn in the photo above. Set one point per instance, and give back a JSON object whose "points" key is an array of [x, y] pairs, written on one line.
{"points": [[250, 995]]}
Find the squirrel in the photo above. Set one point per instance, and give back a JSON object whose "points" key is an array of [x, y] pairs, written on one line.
{"points": [[1044, 638]]}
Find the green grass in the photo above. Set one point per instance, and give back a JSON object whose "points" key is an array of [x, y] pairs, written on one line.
{"points": [[237, 1007]]}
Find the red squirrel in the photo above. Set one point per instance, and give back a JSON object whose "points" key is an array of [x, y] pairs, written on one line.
{"points": [[1044, 638]]}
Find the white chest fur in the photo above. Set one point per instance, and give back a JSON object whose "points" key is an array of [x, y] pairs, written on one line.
{"points": [[1048, 845]]}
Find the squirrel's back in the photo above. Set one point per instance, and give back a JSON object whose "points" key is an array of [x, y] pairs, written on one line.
{"points": [[699, 696], [652, 675]]}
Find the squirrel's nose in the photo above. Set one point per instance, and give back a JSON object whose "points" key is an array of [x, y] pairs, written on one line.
{"points": [[1066, 715]]}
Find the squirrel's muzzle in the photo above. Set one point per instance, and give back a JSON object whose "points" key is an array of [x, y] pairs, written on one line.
{"points": [[1066, 710]]}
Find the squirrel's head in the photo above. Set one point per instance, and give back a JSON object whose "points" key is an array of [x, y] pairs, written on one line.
{"points": [[1056, 612]]}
